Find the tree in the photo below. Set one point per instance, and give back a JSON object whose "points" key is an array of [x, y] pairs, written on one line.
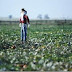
{"points": [[10, 16], [39, 16], [46, 17]]}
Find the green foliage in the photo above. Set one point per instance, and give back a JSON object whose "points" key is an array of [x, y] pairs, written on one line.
{"points": [[48, 48]]}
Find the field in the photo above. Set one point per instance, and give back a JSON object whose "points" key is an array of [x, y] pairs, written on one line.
{"points": [[48, 48]]}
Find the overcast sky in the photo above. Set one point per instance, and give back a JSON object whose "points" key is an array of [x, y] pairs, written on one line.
{"points": [[54, 8]]}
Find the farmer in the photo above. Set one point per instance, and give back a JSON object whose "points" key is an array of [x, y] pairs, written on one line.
{"points": [[24, 21]]}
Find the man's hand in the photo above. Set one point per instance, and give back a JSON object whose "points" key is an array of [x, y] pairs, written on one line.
{"points": [[20, 25], [28, 25]]}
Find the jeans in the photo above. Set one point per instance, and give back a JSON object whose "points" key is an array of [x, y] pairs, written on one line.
{"points": [[23, 32]]}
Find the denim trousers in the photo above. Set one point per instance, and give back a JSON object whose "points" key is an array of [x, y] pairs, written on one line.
{"points": [[23, 32]]}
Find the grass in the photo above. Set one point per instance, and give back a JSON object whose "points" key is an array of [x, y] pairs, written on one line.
{"points": [[48, 48]]}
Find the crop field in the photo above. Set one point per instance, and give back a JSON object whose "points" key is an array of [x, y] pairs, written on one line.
{"points": [[48, 48]]}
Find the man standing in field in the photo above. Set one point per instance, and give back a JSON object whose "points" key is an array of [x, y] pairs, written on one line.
{"points": [[24, 20]]}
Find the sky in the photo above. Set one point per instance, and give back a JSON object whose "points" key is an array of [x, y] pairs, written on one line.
{"points": [[54, 8]]}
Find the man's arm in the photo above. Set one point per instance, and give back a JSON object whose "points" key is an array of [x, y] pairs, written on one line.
{"points": [[20, 23], [28, 20], [20, 20]]}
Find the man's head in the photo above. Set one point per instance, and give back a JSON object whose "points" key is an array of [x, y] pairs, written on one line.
{"points": [[24, 11]]}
